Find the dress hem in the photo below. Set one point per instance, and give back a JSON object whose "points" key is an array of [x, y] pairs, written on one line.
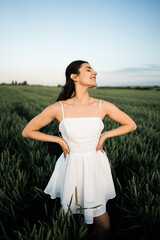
{"points": [[73, 212]]}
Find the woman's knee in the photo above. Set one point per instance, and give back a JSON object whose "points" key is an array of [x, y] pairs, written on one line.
{"points": [[102, 222], [107, 226], [104, 226]]}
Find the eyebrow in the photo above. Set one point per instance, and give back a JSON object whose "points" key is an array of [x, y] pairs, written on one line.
{"points": [[88, 67]]}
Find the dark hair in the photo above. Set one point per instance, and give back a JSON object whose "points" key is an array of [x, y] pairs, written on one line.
{"points": [[68, 90]]}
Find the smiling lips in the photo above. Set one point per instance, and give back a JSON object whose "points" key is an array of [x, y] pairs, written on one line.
{"points": [[93, 78]]}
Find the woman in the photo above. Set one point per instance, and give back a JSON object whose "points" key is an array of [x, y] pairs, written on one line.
{"points": [[83, 165]]}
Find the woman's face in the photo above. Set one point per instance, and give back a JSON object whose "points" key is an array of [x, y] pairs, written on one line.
{"points": [[87, 76]]}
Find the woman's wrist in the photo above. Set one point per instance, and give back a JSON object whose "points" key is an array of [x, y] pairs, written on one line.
{"points": [[105, 135], [59, 140]]}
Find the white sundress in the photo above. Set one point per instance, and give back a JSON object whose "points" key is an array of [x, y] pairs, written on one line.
{"points": [[85, 174]]}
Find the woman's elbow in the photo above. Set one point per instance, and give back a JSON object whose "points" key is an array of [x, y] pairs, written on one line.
{"points": [[134, 126], [24, 133]]}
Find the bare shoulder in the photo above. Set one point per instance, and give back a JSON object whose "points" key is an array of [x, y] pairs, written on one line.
{"points": [[53, 107], [108, 107], [53, 110], [107, 104]]}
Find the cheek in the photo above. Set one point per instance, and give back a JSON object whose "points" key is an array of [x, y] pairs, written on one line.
{"points": [[84, 81], [85, 78]]}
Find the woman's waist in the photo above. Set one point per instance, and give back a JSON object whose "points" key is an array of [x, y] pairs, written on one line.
{"points": [[82, 147]]}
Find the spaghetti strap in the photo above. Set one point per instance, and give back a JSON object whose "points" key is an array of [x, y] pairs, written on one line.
{"points": [[100, 107], [62, 109]]}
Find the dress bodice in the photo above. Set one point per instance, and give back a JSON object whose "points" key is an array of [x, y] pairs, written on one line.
{"points": [[81, 134]]}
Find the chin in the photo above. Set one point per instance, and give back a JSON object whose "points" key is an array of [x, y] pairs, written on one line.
{"points": [[94, 86]]}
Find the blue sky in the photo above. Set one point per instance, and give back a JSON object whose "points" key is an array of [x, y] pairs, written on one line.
{"points": [[119, 38]]}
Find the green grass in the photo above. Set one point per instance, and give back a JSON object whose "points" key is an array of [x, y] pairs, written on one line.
{"points": [[26, 212]]}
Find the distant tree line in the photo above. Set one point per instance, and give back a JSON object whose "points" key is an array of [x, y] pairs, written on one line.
{"points": [[15, 83], [156, 88], [20, 83]]}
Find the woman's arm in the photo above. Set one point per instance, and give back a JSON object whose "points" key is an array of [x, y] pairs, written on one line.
{"points": [[113, 112], [45, 117]]}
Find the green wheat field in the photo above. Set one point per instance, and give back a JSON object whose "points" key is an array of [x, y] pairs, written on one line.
{"points": [[26, 165]]}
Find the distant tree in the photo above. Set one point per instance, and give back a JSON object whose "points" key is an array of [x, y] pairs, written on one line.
{"points": [[25, 83]]}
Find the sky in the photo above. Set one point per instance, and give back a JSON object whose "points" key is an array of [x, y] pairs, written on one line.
{"points": [[119, 38]]}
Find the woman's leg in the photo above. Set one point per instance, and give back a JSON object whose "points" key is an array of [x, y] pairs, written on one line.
{"points": [[102, 226]]}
